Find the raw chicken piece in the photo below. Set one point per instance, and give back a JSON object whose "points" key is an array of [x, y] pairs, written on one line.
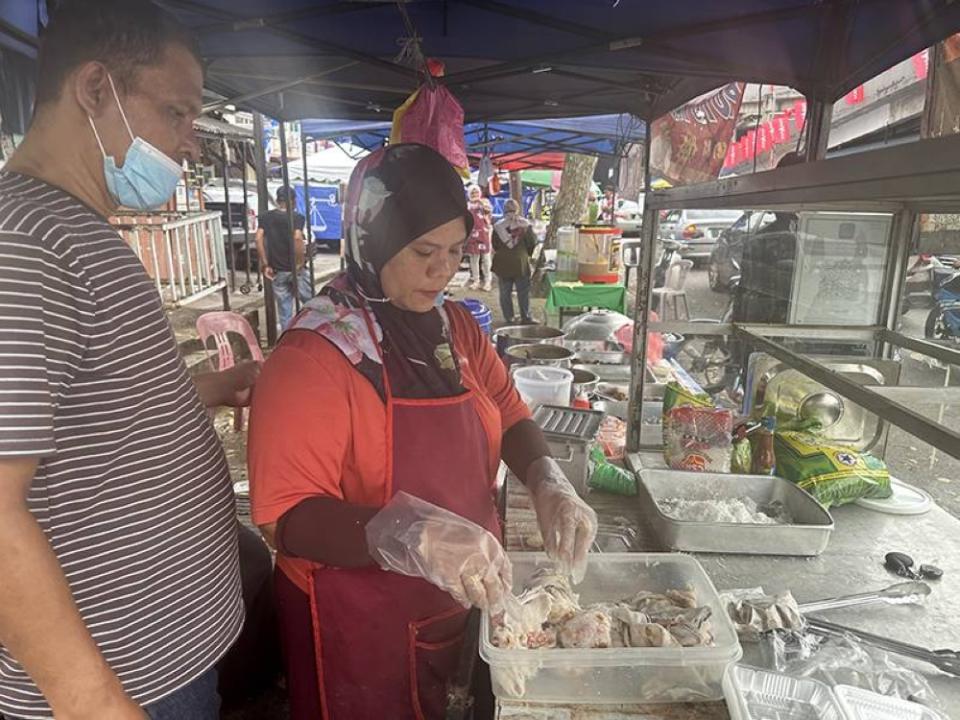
{"points": [[651, 635], [587, 629], [689, 635], [683, 598]]}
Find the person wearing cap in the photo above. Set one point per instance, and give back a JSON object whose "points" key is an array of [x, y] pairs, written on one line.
{"points": [[376, 433], [281, 261]]}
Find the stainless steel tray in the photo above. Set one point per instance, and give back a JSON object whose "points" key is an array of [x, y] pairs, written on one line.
{"points": [[809, 535]]}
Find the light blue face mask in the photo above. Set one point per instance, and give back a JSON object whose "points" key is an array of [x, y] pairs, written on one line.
{"points": [[148, 177]]}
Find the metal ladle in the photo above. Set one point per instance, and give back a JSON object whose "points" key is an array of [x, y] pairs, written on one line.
{"points": [[825, 408]]}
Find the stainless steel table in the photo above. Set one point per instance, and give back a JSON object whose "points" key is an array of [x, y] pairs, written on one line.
{"points": [[853, 562]]}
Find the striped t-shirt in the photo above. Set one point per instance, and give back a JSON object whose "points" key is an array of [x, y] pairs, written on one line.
{"points": [[132, 489]]}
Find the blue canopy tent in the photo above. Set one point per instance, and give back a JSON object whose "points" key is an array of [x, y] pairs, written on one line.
{"points": [[528, 59], [512, 145]]}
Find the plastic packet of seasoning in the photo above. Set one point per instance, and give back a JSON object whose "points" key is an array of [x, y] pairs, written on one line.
{"points": [[833, 474], [698, 439]]}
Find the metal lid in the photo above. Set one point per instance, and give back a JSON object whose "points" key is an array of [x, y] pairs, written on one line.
{"points": [[568, 423]]}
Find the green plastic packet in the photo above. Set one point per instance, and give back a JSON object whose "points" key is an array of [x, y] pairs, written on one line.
{"points": [[611, 478]]}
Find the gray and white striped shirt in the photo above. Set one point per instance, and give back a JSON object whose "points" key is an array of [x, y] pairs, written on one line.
{"points": [[132, 489]]}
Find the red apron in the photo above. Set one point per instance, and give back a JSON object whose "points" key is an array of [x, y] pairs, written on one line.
{"points": [[385, 644]]}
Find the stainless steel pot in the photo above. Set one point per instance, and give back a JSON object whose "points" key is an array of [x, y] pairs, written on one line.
{"points": [[511, 335], [539, 354], [584, 383]]}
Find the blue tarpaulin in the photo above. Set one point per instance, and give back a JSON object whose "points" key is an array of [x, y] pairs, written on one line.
{"points": [[522, 59], [513, 144], [529, 59]]}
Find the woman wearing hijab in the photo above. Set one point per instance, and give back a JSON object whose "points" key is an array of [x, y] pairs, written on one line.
{"points": [[478, 244], [384, 407], [513, 244]]}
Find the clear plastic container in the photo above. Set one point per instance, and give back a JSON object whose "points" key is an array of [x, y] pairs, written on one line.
{"points": [[858, 704], [764, 695], [543, 385], [618, 675]]}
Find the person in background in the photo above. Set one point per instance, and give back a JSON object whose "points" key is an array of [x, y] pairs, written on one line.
{"points": [[119, 581], [513, 244], [478, 244], [281, 263], [385, 407], [608, 215], [592, 214]]}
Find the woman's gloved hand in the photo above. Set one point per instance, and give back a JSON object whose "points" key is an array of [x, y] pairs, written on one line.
{"points": [[413, 537], [567, 523]]}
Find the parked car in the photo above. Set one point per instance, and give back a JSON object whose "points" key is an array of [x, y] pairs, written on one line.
{"points": [[629, 216], [727, 254], [698, 230], [214, 198]]}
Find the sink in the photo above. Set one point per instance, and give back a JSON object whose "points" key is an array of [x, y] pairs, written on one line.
{"points": [[792, 394]]}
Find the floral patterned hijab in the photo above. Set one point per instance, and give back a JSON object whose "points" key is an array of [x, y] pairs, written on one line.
{"points": [[395, 195]]}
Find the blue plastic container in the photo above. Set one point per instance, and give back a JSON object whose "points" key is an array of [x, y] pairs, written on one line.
{"points": [[481, 313]]}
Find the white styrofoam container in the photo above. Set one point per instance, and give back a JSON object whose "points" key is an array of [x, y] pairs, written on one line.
{"points": [[618, 675]]}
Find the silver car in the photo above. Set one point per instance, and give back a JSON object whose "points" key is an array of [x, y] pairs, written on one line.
{"points": [[697, 230]]}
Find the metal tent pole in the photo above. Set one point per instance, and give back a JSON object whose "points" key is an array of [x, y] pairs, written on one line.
{"points": [[307, 224], [231, 255], [263, 205], [246, 213], [641, 312], [286, 188]]}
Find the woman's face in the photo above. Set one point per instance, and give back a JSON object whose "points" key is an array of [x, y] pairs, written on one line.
{"points": [[475, 195], [414, 277]]}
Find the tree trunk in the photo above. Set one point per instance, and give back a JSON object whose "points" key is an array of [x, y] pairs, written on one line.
{"points": [[516, 187], [571, 201]]}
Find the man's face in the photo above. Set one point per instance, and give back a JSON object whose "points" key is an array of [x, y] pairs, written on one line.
{"points": [[163, 101]]}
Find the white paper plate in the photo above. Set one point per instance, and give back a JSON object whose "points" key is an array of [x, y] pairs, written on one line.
{"points": [[905, 500]]}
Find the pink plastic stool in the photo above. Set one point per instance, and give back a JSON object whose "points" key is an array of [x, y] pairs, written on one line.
{"points": [[218, 325]]}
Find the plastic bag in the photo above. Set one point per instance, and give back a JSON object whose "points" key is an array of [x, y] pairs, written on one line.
{"points": [[847, 661], [698, 439], [432, 116], [753, 612], [833, 474], [609, 477], [413, 537]]}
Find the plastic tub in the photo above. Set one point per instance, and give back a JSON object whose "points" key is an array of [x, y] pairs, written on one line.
{"points": [[543, 385], [481, 313], [618, 675]]}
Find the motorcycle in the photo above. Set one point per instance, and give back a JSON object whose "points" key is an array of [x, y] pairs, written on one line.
{"points": [[709, 359], [943, 322]]}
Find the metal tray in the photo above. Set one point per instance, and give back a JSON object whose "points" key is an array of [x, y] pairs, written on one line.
{"points": [[808, 536]]}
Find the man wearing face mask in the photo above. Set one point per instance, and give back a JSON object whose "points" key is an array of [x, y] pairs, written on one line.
{"points": [[118, 552]]}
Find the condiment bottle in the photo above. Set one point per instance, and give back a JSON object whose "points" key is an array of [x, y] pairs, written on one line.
{"points": [[764, 458]]}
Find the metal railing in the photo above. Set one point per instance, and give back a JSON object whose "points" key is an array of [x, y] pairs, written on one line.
{"points": [[183, 254]]}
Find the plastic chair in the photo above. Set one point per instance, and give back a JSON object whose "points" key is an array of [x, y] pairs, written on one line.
{"points": [[219, 325], [673, 290]]}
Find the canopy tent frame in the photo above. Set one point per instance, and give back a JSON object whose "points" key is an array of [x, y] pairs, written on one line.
{"points": [[616, 58]]}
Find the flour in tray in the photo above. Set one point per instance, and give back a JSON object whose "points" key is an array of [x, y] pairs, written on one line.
{"points": [[726, 510]]}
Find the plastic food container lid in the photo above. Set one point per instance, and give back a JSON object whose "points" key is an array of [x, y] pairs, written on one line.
{"points": [[858, 704], [905, 500]]}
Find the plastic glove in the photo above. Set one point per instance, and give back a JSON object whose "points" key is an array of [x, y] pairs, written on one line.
{"points": [[567, 523], [413, 537]]}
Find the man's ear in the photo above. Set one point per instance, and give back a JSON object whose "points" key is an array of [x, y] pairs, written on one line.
{"points": [[90, 86]]}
